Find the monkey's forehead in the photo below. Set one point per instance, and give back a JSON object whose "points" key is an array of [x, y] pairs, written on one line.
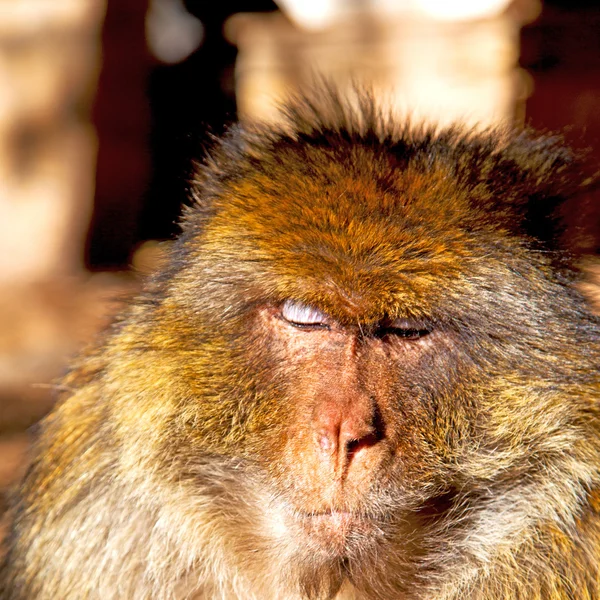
{"points": [[346, 243], [349, 200]]}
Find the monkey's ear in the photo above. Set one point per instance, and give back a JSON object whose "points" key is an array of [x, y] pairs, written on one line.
{"points": [[549, 192]]}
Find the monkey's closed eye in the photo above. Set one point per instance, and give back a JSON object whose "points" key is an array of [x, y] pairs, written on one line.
{"points": [[302, 315], [405, 328]]}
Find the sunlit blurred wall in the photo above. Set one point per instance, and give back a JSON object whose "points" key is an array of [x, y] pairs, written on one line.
{"points": [[49, 53], [49, 61], [439, 60]]}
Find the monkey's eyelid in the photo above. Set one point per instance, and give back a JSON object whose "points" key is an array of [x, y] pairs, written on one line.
{"points": [[403, 323], [302, 314], [408, 328]]}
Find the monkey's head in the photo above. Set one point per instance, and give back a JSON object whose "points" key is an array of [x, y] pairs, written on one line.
{"points": [[373, 332]]}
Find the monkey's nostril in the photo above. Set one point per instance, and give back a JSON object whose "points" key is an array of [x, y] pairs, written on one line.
{"points": [[355, 446]]}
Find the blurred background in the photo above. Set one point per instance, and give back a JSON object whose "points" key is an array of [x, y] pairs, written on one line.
{"points": [[105, 103]]}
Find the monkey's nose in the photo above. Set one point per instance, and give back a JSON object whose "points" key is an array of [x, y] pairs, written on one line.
{"points": [[341, 434]]}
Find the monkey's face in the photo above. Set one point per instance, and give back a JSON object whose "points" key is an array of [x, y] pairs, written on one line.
{"points": [[356, 449], [367, 344]]}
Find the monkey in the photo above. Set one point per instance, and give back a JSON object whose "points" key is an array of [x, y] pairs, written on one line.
{"points": [[366, 371]]}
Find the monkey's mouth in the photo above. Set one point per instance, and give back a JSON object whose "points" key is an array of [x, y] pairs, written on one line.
{"points": [[336, 532], [336, 518]]}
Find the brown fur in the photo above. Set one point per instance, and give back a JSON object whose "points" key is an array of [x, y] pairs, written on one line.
{"points": [[212, 449]]}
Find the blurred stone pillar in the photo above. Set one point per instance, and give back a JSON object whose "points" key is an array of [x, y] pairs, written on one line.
{"points": [[49, 62], [49, 55], [422, 64]]}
